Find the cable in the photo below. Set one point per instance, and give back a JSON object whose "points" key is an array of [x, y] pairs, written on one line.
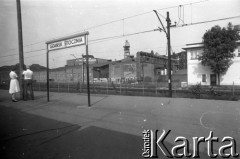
{"points": [[24, 53], [24, 57], [120, 36], [100, 39], [115, 37], [191, 13], [114, 21], [208, 21]]}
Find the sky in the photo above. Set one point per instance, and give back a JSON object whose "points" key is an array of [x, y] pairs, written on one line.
{"points": [[43, 20]]}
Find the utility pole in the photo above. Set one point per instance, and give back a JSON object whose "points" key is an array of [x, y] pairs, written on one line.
{"points": [[169, 50], [20, 44], [87, 62], [169, 56]]}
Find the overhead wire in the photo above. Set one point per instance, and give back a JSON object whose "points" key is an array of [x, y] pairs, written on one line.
{"points": [[209, 21], [120, 36], [114, 21]]}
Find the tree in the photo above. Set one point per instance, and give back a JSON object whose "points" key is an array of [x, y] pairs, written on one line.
{"points": [[174, 56], [219, 45]]}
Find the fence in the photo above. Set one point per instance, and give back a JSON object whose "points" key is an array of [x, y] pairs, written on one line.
{"points": [[157, 89]]}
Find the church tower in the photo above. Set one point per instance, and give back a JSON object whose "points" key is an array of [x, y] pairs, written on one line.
{"points": [[126, 49]]}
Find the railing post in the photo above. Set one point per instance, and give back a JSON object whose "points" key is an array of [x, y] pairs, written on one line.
{"points": [[68, 86], [58, 86], [120, 87], [156, 89], [143, 88], [107, 87], [80, 86], [233, 89]]}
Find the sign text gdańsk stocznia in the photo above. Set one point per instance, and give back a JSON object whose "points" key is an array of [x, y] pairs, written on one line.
{"points": [[67, 43]]}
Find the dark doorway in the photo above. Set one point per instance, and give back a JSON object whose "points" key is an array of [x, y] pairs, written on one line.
{"points": [[213, 80]]}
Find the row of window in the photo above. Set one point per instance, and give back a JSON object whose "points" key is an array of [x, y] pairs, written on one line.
{"points": [[196, 53]]}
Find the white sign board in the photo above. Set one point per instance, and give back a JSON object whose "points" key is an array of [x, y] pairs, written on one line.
{"points": [[67, 43]]}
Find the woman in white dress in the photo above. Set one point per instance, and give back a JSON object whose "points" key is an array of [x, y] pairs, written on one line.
{"points": [[14, 85]]}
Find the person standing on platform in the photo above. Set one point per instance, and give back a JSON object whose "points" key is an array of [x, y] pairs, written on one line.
{"points": [[14, 84], [28, 80]]}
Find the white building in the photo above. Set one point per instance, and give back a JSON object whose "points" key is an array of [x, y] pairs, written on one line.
{"points": [[197, 73]]}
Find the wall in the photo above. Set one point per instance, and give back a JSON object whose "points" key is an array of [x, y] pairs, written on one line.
{"points": [[233, 73], [123, 71], [196, 69]]}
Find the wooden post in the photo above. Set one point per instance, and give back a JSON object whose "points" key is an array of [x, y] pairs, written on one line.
{"points": [[20, 44], [88, 84], [169, 57]]}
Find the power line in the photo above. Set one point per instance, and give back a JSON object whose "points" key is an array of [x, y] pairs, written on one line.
{"points": [[98, 40], [24, 53], [24, 58], [209, 21], [114, 21], [120, 36]]}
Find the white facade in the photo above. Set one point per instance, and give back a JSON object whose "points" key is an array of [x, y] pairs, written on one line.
{"points": [[197, 73]]}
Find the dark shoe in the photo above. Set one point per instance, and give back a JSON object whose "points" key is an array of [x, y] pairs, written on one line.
{"points": [[14, 100]]}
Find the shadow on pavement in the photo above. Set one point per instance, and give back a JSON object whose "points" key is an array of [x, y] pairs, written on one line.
{"points": [[32, 137]]}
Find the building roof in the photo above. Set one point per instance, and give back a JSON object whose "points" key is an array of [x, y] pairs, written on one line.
{"points": [[198, 45], [100, 64], [57, 69], [195, 45]]}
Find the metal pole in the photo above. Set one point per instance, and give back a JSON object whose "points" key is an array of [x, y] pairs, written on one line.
{"points": [[233, 88], [88, 85], [58, 85], [107, 87], [68, 86], [121, 87], [47, 74], [143, 88], [156, 88], [20, 43], [82, 70], [169, 56]]}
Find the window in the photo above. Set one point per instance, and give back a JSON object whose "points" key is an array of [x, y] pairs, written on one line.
{"points": [[192, 55], [195, 54], [204, 79]]}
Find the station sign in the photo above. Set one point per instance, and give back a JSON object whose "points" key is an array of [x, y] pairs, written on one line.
{"points": [[67, 43]]}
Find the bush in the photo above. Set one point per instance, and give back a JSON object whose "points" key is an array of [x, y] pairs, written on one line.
{"points": [[234, 98], [196, 90], [147, 79]]}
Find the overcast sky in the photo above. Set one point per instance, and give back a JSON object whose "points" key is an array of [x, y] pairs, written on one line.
{"points": [[43, 20]]}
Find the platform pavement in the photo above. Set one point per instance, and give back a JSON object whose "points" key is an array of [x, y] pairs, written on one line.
{"points": [[132, 114]]}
